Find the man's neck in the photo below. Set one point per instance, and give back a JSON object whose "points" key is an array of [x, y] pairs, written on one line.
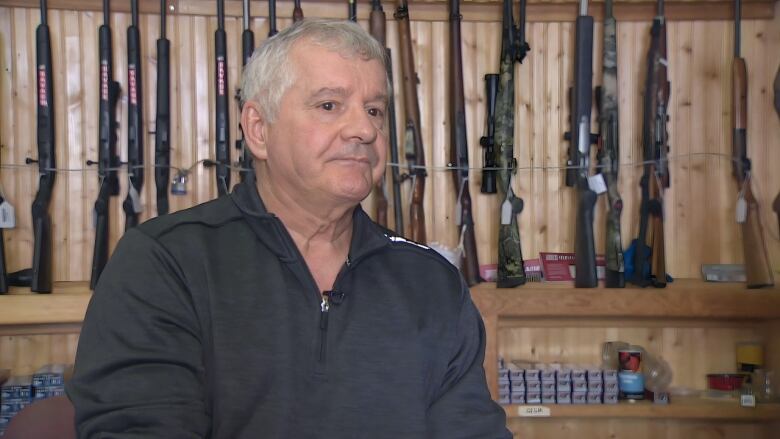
{"points": [[316, 227]]}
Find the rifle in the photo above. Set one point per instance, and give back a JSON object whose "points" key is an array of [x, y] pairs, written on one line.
{"points": [[162, 147], [39, 277], [297, 12], [135, 135], [245, 161], [272, 30], [488, 141], [3, 275], [758, 271], [352, 10], [222, 115], [608, 155], [376, 27], [107, 158], [413, 147], [459, 151], [776, 208], [511, 270], [650, 243]]}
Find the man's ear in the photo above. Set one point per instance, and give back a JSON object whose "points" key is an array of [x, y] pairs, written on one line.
{"points": [[255, 128]]}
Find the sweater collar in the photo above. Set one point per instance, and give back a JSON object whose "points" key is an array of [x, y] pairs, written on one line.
{"points": [[366, 236]]}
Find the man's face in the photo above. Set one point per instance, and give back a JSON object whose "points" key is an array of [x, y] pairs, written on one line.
{"points": [[328, 140]]}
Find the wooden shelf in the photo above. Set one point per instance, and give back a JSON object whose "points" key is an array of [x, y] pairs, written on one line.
{"points": [[66, 304], [684, 298], [680, 408]]}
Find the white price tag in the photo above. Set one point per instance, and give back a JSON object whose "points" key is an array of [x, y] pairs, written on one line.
{"points": [[533, 411], [741, 209], [506, 213], [135, 197], [597, 184], [7, 216], [747, 400]]}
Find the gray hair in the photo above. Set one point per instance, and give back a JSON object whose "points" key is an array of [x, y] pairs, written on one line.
{"points": [[269, 73]]}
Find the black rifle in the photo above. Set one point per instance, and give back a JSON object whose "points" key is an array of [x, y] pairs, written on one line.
{"points": [[580, 140], [272, 30], [107, 158], [459, 151], [352, 10], [609, 152], [377, 24], [297, 12], [3, 275], [222, 114], [162, 147], [135, 135], [758, 271], [511, 269], [245, 162], [39, 277], [488, 141], [413, 147], [656, 173]]}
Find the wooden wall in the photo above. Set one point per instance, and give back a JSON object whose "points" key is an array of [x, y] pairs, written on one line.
{"points": [[699, 204]]}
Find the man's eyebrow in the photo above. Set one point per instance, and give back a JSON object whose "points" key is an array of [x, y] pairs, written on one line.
{"points": [[328, 91]]}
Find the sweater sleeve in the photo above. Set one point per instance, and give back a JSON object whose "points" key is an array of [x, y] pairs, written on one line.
{"points": [[139, 365], [464, 408]]}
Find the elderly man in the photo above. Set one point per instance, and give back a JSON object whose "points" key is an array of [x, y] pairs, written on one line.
{"points": [[282, 311]]}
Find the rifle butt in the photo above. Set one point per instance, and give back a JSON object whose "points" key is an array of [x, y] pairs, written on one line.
{"points": [[41, 281], [757, 269], [658, 256], [470, 263], [584, 246], [417, 223]]}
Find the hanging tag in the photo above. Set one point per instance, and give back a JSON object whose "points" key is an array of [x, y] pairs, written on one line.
{"points": [[597, 184], [7, 217], [741, 209], [506, 213], [135, 198], [179, 184]]}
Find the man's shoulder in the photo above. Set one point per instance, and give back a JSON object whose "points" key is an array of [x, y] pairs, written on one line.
{"points": [[417, 253], [208, 215]]}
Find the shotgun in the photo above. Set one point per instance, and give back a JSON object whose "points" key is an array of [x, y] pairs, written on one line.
{"points": [[758, 271], [135, 136], [162, 147], [107, 137], [222, 114], [459, 151], [413, 146]]}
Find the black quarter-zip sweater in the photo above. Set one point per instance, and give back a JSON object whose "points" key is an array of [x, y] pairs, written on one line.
{"points": [[208, 323]]}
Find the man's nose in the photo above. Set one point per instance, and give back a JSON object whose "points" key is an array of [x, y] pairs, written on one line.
{"points": [[359, 126]]}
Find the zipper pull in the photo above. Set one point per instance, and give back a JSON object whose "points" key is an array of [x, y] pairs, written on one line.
{"points": [[324, 308]]}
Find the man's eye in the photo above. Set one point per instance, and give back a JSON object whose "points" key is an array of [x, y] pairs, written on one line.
{"points": [[328, 106], [375, 112]]}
